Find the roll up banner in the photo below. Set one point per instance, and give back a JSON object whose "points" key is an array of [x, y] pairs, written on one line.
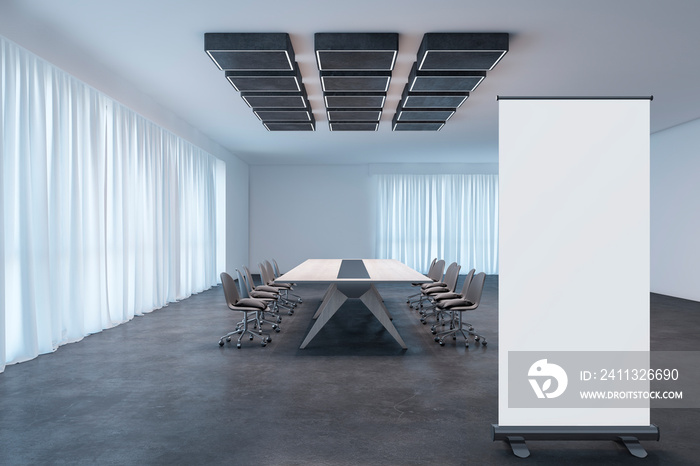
{"points": [[574, 270]]}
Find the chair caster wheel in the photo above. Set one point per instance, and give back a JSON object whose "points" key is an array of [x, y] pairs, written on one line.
{"points": [[228, 340], [267, 340], [454, 338], [483, 343], [466, 344], [263, 344], [250, 338], [437, 339], [433, 331], [300, 301], [442, 343], [238, 345], [277, 330], [221, 343], [476, 338], [279, 320]]}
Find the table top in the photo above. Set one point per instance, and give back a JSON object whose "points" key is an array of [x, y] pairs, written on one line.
{"points": [[326, 271]]}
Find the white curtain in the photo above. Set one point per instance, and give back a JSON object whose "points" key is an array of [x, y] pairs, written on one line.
{"points": [[451, 217], [104, 214]]}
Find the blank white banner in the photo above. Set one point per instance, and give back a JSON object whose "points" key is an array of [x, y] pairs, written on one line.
{"points": [[574, 240]]}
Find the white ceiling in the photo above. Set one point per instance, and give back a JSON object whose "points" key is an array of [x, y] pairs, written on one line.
{"points": [[557, 48]]}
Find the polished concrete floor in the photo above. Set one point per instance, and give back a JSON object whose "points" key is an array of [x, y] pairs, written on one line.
{"points": [[159, 390]]}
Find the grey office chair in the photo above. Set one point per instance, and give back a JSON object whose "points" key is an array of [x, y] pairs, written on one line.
{"points": [[437, 267], [247, 306], [268, 279], [268, 297], [438, 280], [457, 307], [440, 297], [448, 285], [277, 274]]}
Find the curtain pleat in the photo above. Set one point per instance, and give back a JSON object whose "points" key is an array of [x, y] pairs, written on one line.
{"points": [[103, 214], [451, 217]]}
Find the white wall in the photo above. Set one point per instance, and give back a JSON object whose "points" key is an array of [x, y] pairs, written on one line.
{"points": [[675, 211], [302, 212], [237, 214]]}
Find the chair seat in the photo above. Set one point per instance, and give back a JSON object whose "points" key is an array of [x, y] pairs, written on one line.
{"points": [[263, 294], [250, 303], [445, 296], [266, 288], [455, 304]]}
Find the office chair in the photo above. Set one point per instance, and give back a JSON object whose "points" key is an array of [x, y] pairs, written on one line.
{"points": [[277, 274], [247, 306], [434, 273], [268, 279], [448, 285], [457, 307], [268, 297], [439, 313]]}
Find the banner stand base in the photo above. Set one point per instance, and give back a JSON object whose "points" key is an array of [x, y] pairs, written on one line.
{"points": [[629, 436]]}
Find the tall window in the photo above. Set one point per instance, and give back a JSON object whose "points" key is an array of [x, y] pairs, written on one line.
{"points": [[103, 214], [451, 217]]}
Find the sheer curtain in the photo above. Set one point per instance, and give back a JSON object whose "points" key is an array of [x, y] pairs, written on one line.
{"points": [[451, 217], [104, 214]]}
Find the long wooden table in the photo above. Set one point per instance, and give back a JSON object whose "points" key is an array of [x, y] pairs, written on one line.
{"points": [[352, 278]]}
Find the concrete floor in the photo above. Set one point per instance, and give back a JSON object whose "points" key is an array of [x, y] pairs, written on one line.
{"points": [[159, 390]]}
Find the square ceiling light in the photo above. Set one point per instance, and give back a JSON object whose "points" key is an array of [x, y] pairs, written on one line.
{"points": [[283, 115], [461, 51], [280, 100], [354, 115], [417, 126], [432, 99], [354, 126], [250, 51], [340, 100], [357, 81], [356, 51], [266, 81], [289, 126], [424, 114], [444, 81]]}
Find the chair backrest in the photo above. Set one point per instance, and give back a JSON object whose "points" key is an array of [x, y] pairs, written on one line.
{"points": [[230, 289], [475, 288], [265, 273], [436, 270], [248, 277], [243, 286], [276, 268], [467, 281], [451, 276]]}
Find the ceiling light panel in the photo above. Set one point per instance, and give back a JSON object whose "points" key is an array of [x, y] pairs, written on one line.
{"points": [[250, 51], [283, 115], [357, 81], [424, 114], [354, 115], [445, 81], [289, 126], [417, 126], [461, 51], [286, 100], [354, 126], [356, 51], [337, 100], [266, 81]]}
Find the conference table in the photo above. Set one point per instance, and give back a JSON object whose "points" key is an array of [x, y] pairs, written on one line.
{"points": [[352, 279]]}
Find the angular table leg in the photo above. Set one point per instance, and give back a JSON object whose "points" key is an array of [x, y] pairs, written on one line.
{"points": [[373, 301], [332, 303]]}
